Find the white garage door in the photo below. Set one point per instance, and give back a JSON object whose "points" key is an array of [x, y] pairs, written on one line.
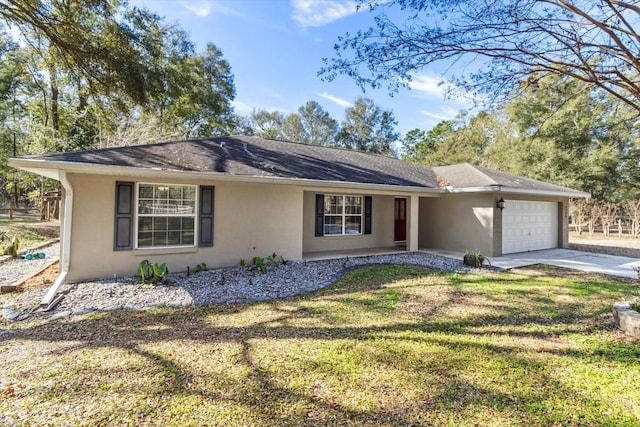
{"points": [[529, 226]]}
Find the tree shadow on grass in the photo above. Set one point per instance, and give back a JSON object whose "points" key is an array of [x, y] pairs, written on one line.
{"points": [[436, 351]]}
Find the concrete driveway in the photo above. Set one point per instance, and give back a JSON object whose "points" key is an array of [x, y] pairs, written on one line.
{"points": [[578, 260]]}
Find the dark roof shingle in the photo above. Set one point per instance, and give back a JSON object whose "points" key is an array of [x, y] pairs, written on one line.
{"points": [[465, 175], [257, 157], [249, 156]]}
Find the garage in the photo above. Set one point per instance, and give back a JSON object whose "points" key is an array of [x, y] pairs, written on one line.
{"points": [[529, 226]]}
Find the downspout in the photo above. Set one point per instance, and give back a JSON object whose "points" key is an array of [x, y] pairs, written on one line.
{"points": [[65, 240]]}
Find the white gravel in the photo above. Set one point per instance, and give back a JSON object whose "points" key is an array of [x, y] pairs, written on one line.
{"points": [[218, 286], [14, 269]]}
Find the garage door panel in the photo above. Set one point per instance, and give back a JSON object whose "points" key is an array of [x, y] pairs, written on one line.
{"points": [[529, 226]]}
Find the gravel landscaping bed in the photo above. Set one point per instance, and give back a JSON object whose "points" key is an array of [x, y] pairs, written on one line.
{"points": [[218, 286], [15, 269]]}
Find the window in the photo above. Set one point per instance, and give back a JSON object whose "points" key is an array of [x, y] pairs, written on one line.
{"points": [[342, 215], [166, 215]]}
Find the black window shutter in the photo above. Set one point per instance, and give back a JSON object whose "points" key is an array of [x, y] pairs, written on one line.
{"points": [[123, 229], [205, 237], [367, 214], [319, 215]]}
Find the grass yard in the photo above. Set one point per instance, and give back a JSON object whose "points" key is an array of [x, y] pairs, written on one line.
{"points": [[30, 231], [386, 345]]}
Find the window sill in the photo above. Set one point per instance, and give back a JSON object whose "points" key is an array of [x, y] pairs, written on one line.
{"points": [[166, 250]]}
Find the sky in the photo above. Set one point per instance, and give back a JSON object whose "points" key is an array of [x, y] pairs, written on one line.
{"points": [[275, 49]]}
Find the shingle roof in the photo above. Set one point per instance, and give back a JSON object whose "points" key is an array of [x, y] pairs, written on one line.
{"points": [[465, 175], [257, 157], [249, 156]]}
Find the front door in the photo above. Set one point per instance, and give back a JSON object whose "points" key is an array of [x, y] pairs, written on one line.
{"points": [[400, 233]]}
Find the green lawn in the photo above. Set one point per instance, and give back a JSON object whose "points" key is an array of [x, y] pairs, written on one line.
{"points": [[387, 345]]}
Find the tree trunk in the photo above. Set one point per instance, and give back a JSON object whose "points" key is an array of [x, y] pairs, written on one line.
{"points": [[55, 118]]}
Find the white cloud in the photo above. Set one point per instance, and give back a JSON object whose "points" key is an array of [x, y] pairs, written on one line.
{"points": [[341, 102], [438, 116], [199, 8], [316, 13], [429, 85]]}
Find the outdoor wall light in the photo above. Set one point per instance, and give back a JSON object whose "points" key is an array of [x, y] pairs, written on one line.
{"points": [[501, 203]]}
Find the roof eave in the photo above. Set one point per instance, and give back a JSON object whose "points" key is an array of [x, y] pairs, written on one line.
{"points": [[574, 194], [51, 169]]}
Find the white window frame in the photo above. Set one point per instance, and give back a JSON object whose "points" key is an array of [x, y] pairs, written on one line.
{"points": [[139, 215], [343, 216]]}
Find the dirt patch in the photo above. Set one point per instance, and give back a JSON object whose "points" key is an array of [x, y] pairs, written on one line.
{"points": [[43, 279], [539, 270], [612, 245], [50, 229]]}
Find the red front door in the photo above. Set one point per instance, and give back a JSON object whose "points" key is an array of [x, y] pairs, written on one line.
{"points": [[400, 233]]}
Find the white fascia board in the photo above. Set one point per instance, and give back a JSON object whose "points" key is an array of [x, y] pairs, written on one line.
{"points": [[34, 168], [47, 168], [521, 191]]}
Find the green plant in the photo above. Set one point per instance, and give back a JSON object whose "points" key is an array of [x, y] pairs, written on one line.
{"points": [[201, 267], [11, 248], [152, 272], [276, 259], [474, 259], [635, 304], [262, 264]]}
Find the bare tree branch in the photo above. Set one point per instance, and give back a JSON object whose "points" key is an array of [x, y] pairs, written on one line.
{"points": [[504, 42]]}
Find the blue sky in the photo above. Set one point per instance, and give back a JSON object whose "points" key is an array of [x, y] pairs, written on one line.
{"points": [[275, 49]]}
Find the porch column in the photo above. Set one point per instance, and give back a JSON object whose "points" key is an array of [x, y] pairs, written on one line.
{"points": [[413, 220]]}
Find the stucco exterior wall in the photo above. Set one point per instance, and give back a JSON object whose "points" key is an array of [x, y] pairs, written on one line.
{"points": [[457, 222], [382, 228], [461, 222], [249, 220]]}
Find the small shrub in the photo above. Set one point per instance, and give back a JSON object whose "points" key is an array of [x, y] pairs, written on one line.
{"points": [[635, 304], [474, 259], [10, 246], [152, 273], [261, 264], [201, 267]]}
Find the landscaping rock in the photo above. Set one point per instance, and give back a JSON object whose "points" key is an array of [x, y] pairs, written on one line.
{"points": [[9, 313], [627, 319], [223, 285]]}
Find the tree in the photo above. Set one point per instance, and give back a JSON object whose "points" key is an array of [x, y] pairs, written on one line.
{"points": [[318, 128], [571, 134], [90, 37], [504, 42], [367, 127], [96, 73], [293, 128], [191, 93], [268, 124], [633, 211]]}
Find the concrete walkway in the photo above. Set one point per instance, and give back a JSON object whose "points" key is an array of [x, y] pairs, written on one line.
{"points": [[578, 260]]}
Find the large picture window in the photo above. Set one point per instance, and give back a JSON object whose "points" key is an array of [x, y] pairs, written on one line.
{"points": [[342, 215], [166, 215]]}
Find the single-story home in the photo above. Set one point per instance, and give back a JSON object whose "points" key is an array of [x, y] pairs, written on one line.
{"points": [[220, 200]]}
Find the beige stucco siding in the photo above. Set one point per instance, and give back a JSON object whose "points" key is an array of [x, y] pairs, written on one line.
{"points": [[382, 223], [466, 221], [249, 220], [457, 222]]}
